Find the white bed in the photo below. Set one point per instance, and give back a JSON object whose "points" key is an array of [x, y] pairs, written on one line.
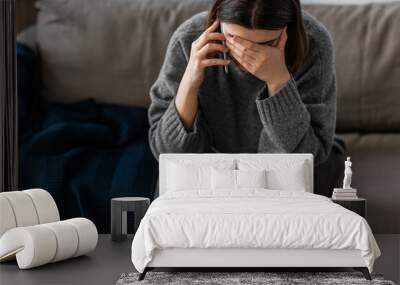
{"points": [[280, 225]]}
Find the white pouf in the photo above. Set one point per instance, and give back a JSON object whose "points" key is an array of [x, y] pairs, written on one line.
{"points": [[31, 230], [45, 205], [26, 208], [7, 219], [23, 208], [40, 244]]}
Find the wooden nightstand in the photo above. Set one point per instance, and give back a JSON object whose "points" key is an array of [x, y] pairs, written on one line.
{"points": [[358, 205]]}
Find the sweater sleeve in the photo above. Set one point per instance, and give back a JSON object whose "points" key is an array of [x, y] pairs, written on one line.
{"points": [[167, 134], [301, 117]]}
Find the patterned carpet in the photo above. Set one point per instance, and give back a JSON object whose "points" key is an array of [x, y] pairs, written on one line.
{"points": [[244, 278]]}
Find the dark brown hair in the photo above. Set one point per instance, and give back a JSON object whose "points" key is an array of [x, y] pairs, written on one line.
{"points": [[267, 14]]}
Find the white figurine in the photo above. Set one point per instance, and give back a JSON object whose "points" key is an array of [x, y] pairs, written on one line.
{"points": [[347, 174]]}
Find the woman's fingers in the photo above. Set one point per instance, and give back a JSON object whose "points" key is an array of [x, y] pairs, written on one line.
{"points": [[242, 50], [245, 44], [207, 37], [213, 27], [209, 48], [245, 61], [242, 53], [198, 60], [213, 61]]}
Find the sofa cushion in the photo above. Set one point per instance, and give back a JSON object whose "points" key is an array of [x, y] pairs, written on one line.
{"points": [[109, 50], [367, 63]]}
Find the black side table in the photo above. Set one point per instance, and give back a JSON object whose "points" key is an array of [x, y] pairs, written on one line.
{"points": [[358, 206], [119, 209]]}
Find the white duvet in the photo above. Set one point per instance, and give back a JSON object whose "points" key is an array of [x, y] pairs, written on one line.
{"points": [[252, 218]]}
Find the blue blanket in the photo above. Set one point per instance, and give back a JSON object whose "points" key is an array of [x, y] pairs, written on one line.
{"points": [[84, 153]]}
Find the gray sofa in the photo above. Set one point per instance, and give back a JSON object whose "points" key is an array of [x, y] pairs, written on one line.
{"points": [[112, 50]]}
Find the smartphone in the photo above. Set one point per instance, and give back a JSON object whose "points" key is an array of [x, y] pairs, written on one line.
{"points": [[224, 54]]}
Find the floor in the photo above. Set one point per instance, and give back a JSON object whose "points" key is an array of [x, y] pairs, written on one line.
{"points": [[110, 260], [103, 266]]}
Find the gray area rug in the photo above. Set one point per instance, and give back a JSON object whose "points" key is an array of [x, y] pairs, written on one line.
{"points": [[269, 278]]}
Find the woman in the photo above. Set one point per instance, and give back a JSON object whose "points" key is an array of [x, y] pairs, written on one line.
{"points": [[279, 94]]}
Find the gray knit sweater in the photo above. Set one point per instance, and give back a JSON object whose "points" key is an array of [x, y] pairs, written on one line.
{"points": [[233, 116]]}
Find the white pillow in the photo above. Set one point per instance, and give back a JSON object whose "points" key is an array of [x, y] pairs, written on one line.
{"points": [[182, 178], [191, 174], [235, 179], [223, 179], [251, 178], [282, 174]]}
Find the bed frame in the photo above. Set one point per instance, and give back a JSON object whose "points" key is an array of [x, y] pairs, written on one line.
{"points": [[234, 259], [250, 259]]}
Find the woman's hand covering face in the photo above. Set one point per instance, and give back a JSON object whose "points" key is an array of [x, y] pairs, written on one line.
{"points": [[263, 61]]}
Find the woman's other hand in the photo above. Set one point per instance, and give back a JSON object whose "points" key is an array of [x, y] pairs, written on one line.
{"points": [[263, 61], [199, 56]]}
